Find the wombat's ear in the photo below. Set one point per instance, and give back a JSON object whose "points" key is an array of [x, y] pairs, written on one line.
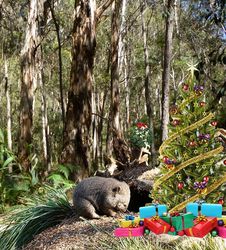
{"points": [[116, 189]]}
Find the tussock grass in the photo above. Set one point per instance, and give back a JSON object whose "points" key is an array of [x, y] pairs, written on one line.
{"points": [[156, 243], [40, 213]]}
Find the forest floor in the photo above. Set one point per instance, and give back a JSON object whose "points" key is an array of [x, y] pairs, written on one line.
{"points": [[98, 234], [75, 234]]}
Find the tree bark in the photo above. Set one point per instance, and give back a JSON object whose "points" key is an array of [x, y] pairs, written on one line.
{"points": [[120, 148], [77, 144], [166, 67], [148, 94], [44, 114], [60, 64], [28, 83], [8, 107]]}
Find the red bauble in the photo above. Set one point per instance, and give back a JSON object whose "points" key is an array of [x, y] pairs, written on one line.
{"points": [[221, 201], [192, 144], [185, 87], [180, 185], [206, 178], [213, 123], [180, 233], [202, 104], [165, 159], [172, 229], [175, 122], [224, 162]]}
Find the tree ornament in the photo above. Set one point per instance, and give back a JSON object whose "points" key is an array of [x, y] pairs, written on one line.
{"points": [[192, 144], [224, 162], [214, 233], [206, 178], [220, 223], [175, 122], [165, 159], [141, 223], [180, 233], [213, 123], [221, 201], [198, 90], [170, 167], [185, 87], [180, 185], [147, 231], [202, 104], [173, 110], [172, 229]]}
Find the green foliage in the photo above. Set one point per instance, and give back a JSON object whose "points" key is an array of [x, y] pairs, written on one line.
{"points": [[40, 212], [14, 182], [60, 177], [140, 135]]}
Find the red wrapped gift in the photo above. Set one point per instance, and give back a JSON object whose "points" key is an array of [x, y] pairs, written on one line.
{"points": [[203, 225], [156, 225]]}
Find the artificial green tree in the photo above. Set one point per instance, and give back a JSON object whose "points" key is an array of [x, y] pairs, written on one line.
{"points": [[193, 161]]}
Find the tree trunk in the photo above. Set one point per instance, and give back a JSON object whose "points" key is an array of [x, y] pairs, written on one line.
{"points": [[120, 148], [28, 83], [148, 94], [166, 67], [44, 114], [37, 18], [8, 107], [77, 144], [60, 73]]}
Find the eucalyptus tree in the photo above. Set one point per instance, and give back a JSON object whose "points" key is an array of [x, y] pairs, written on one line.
{"points": [[170, 17], [30, 56], [77, 140]]}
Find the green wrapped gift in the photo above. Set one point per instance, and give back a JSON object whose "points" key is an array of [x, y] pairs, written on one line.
{"points": [[172, 233], [179, 221]]}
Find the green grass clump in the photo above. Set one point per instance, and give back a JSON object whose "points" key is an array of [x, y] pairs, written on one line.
{"points": [[40, 213]]}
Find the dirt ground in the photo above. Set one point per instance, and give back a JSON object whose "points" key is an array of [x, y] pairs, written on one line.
{"points": [[74, 234]]}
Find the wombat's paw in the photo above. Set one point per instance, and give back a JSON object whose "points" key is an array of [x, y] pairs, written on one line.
{"points": [[95, 216]]}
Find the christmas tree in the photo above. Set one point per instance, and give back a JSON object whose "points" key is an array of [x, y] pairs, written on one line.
{"points": [[193, 160]]}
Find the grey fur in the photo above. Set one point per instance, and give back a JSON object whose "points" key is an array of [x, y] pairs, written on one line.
{"points": [[97, 196]]}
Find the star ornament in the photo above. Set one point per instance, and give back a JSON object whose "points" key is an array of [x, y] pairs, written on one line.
{"points": [[192, 67]]}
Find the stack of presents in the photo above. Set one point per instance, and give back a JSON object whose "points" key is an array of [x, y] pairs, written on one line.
{"points": [[199, 220]]}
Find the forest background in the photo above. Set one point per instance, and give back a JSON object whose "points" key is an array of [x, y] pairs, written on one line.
{"points": [[79, 77]]}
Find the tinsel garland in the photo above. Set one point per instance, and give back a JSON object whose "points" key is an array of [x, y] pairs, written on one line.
{"points": [[185, 130], [187, 163], [210, 189]]}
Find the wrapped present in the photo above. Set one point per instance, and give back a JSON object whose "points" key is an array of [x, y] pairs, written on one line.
{"points": [[179, 221], [203, 225], [152, 210], [156, 225], [172, 231], [210, 210], [129, 232], [222, 218], [129, 221], [221, 231]]}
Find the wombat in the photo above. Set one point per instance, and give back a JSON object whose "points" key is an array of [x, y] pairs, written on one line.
{"points": [[97, 196]]}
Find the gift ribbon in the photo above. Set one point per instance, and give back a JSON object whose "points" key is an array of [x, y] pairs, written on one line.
{"points": [[130, 232], [201, 218], [190, 231], [155, 218], [174, 214]]}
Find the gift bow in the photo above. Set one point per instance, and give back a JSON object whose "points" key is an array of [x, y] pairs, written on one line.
{"points": [[155, 218], [201, 218], [174, 214]]}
